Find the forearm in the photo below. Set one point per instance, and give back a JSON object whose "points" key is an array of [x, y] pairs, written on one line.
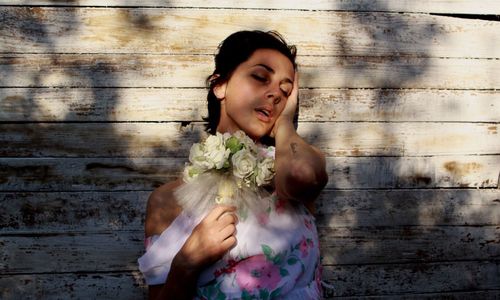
{"points": [[180, 284], [300, 168]]}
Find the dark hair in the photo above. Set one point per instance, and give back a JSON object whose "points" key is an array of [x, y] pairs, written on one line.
{"points": [[234, 50]]}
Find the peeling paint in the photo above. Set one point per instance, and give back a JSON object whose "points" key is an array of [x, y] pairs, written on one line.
{"points": [[461, 169]]}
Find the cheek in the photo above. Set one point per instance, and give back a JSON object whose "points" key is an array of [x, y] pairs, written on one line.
{"points": [[242, 92]]}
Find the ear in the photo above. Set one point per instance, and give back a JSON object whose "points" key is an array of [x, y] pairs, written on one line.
{"points": [[220, 91]]}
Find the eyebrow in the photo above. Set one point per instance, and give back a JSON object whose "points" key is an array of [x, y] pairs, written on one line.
{"points": [[268, 68]]}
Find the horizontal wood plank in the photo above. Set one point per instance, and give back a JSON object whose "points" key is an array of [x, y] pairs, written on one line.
{"points": [[81, 211], [42, 212], [383, 208], [367, 245], [398, 279], [174, 140], [188, 31], [119, 285], [129, 70], [91, 174], [431, 6], [116, 251], [82, 252], [456, 295], [316, 105]]}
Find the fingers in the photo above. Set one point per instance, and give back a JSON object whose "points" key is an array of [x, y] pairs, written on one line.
{"points": [[218, 211], [227, 218], [228, 243], [228, 231], [295, 84]]}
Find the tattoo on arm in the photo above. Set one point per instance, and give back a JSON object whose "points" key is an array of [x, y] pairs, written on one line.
{"points": [[294, 148]]}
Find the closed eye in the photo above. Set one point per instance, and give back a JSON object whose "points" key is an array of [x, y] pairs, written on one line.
{"points": [[259, 78], [286, 89]]}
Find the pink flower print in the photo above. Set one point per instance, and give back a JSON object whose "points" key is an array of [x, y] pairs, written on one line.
{"points": [[308, 224], [257, 272], [280, 206], [303, 247], [263, 218], [229, 268]]}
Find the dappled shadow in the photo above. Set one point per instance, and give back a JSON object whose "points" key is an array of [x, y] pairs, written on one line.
{"points": [[386, 226], [61, 134]]}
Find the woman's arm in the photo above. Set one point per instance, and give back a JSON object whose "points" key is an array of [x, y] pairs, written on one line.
{"points": [[180, 284], [300, 167]]}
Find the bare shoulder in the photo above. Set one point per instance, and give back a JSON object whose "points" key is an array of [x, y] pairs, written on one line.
{"points": [[162, 208]]}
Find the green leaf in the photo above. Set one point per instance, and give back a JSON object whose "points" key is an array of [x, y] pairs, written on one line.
{"points": [[264, 294], [278, 259], [292, 261], [268, 252], [245, 295], [234, 145], [284, 272], [275, 293], [221, 296]]}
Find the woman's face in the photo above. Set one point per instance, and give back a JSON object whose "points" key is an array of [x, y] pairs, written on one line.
{"points": [[255, 94]]}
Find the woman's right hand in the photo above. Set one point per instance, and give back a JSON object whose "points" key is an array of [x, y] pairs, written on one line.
{"points": [[209, 241]]}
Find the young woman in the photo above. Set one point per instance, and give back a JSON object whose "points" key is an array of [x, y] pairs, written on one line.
{"points": [[267, 248]]}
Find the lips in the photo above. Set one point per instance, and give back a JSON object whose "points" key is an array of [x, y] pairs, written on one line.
{"points": [[264, 113]]}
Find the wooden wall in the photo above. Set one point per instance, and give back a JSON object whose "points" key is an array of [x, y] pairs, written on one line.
{"points": [[100, 101]]}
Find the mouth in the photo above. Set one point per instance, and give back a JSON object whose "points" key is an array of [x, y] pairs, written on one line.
{"points": [[264, 113]]}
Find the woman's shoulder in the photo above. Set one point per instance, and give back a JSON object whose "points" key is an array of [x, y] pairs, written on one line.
{"points": [[162, 208]]}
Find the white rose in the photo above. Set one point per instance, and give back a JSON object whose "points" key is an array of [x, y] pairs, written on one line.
{"points": [[243, 163], [215, 150], [265, 172], [197, 157]]}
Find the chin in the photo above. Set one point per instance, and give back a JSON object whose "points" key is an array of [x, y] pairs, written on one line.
{"points": [[259, 133]]}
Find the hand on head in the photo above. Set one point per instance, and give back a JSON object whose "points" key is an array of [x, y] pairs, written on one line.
{"points": [[288, 112]]}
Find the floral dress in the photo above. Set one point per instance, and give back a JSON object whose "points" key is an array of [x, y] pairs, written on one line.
{"points": [[276, 257]]}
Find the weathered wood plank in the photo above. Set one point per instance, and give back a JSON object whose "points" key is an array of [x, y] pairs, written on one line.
{"points": [[119, 285], [117, 251], [80, 211], [429, 6], [99, 211], [82, 252], [367, 245], [181, 31], [143, 104], [174, 140], [351, 208], [83, 174], [455, 295], [80, 174], [397, 279], [130, 70]]}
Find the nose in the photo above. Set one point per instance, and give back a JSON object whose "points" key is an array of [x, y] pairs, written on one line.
{"points": [[274, 94]]}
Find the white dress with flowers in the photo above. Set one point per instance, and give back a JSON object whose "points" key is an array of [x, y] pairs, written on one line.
{"points": [[277, 251], [276, 257]]}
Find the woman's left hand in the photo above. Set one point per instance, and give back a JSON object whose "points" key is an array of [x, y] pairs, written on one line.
{"points": [[290, 107]]}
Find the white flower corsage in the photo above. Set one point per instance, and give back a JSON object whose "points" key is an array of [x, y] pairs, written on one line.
{"points": [[227, 168], [234, 153]]}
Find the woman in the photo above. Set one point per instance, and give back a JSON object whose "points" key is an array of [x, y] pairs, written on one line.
{"points": [[271, 250]]}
